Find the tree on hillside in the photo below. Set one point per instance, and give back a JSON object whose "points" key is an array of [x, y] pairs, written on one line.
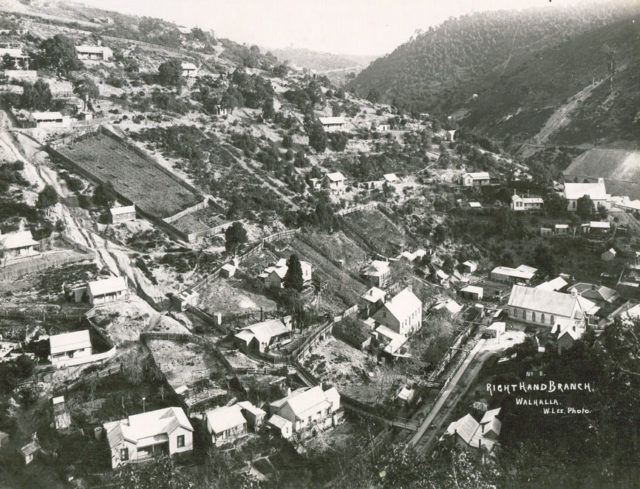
{"points": [[104, 194], [555, 204], [603, 213], [544, 260], [293, 278], [585, 208], [47, 197], [287, 141], [373, 95], [86, 89], [317, 136], [170, 73], [60, 53], [235, 235], [7, 63], [37, 96], [268, 112]]}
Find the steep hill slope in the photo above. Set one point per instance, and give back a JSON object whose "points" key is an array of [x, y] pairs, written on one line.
{"points": [[314, 60], [562, 94], [441, 69]]}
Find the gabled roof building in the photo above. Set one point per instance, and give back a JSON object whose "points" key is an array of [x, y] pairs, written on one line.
{"points": [[142, 436]]}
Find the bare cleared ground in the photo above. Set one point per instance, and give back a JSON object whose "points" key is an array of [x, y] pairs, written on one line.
{"points": [[353, 372], [185, 363], [227, 296], [124, 321]]}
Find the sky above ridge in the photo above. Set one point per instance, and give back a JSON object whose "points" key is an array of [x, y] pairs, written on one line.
{"points": [[362, 27]]}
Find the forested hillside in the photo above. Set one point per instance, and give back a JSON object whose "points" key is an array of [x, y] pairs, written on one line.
{"points": [[314, 60], [441, 69], [518, 101]]}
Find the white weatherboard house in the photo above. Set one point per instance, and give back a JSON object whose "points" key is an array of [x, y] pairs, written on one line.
{"points": [[273, 276], [332, 123], [225, 424], [17, 245], [308, 408], [261, 336], [334, 182], [142, 436], [100, 53], [402, 314], [107, 290], [20, 60], [49, 119], [123, 214], [377, 273], [519, 203], [553, 284], [522, 274], [549, 308], [482, 436], [69, 346], [477, 179], [596, 191]]}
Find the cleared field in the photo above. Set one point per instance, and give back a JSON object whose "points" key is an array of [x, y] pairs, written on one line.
{"points": [[353, 372], [375, 231], [620, 169], [185, 363], [229, 296], [139, 179]]}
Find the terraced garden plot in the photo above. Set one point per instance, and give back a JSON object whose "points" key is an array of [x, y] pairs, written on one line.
{"points": [[139, 179], [375, 231]]}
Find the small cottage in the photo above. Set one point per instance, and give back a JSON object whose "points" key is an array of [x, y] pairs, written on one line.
{"points": [[225, 424]]}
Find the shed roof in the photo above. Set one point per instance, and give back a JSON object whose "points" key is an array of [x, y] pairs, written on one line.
{"points": [[481, 175], [472, 289], [107, 286], [328, 121], [301, 402], [266, 330], [335, 176], [465, 428], [279, 422], [46, 116], [223, 418], [19, 239], [75, 340], [553, 284], [374, 294], [118, 211]]}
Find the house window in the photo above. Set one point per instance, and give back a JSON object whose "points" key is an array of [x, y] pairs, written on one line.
{"points": [[533, 316], [553, 320], [180, 441], [124, 454], [542, 318]]}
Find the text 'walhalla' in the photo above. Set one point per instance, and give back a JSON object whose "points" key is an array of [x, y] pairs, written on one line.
{"points": [[550, 386]]}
